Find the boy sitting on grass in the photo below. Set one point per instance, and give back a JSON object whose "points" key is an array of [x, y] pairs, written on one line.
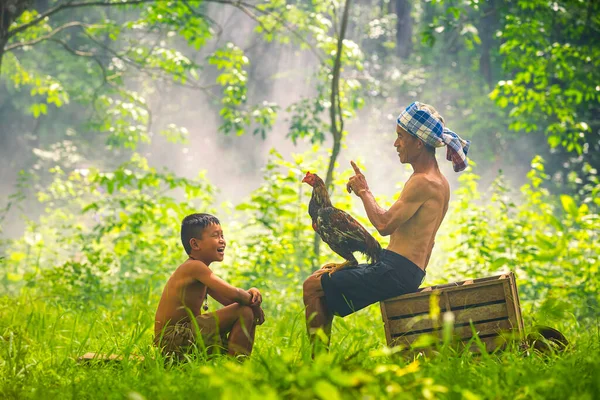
{"points": [[179, 319]]}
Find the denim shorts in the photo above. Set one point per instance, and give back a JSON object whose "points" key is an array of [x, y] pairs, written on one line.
{"points": [[353, 288]]}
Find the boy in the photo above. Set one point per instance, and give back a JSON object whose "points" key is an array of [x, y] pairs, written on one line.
{"points": [[189, 286]]}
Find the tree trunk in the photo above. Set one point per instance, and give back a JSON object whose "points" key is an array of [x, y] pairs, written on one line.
{"points": [[404, 28], [335, 114], [2, 44], [487, 29], [10, 10]]}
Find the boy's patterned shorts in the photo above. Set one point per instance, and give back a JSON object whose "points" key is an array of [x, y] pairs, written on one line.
{"points": [[180, 338]]}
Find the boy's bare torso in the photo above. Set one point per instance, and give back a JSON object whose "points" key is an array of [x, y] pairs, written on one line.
{"points": [[414, 239], [182, 294]]}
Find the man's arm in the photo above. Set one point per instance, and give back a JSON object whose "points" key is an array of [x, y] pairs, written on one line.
{"points": [[415, 193]]}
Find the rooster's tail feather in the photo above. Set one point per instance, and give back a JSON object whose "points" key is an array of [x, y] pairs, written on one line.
{"points": [[373, 251]]}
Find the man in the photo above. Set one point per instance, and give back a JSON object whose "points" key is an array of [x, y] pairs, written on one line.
{"points": [[412, 222]]}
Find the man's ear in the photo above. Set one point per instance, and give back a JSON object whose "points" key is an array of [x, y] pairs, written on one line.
{"points": [[194, 244]]}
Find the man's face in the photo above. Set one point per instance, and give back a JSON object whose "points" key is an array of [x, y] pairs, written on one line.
{"points": [[211, 245], [405, 144]]}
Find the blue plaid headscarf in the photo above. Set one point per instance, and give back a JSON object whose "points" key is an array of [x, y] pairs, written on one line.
{"points": [[424, 126]]}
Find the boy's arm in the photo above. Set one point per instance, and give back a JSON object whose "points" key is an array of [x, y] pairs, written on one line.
{"points": [[219, 287], [221, 299]]}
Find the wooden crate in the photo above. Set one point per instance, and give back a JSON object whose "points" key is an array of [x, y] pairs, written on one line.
{"points": [[490, 304]]}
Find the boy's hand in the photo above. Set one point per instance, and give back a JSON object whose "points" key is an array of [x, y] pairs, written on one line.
{"points": [[255, 297], [259, 315]]}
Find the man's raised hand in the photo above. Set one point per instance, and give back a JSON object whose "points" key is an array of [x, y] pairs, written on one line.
{"points": [[358, 182]]}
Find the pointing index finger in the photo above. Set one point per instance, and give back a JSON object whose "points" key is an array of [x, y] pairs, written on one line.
{"points": [[356, 170]]}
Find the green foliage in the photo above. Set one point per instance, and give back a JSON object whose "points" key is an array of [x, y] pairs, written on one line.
{"points": [[231, 61], [104, 231], [102, 64], [88, 274], [273, 243], [40, 341], [278, 209], [552, 55], [43, 87], [313, 30], [549, 241]]}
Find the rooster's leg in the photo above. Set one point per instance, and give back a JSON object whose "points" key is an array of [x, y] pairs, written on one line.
{"points": [[333, 267]]}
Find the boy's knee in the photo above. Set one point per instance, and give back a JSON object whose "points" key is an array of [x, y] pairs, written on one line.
{"points": [[246, 314]]}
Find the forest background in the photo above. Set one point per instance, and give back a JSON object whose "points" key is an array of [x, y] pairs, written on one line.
{"points": [[118, 118]]}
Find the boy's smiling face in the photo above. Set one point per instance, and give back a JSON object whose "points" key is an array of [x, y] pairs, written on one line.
{"points": [[210, 246]]}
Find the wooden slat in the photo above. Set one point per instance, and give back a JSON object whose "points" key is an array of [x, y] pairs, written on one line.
{"points": [[386, 325], [463, 331], [463, 334], [424, 323], [445, 300], [406, 340], [491, 344], [467, 282], [491, 278], [476, 314], [470, 296], [484, 328], [511, 306], [408, 325], [427, 290], [492, 304], [515, 292], [407, 307]]}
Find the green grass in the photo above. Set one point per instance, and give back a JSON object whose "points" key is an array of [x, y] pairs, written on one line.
{"points": [[41, 341]]}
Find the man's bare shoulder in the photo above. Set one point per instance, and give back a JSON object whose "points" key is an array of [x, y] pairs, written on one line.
{"points": [[426, 183], [428, 179]]}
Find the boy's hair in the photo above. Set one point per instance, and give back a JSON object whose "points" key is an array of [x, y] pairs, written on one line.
{"points": [[435, 114], [192, 227]]}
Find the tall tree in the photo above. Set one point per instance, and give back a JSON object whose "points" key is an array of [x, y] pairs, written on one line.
{"points": [[404, 28], [488, 26]]}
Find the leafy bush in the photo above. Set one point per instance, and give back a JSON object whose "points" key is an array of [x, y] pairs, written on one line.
{"points": [[550, 241], [105, 231]]}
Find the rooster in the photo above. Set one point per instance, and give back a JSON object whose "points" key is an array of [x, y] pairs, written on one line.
{"points": [[337, 228]]}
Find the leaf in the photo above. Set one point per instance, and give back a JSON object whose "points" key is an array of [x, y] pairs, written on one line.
{"points": [[14, 277], [569, 205], [553, 141], [17, 256], [326, 391], [499, 263]]}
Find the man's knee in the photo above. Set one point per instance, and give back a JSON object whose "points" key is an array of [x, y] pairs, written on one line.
{"points": [[311, 288]]}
